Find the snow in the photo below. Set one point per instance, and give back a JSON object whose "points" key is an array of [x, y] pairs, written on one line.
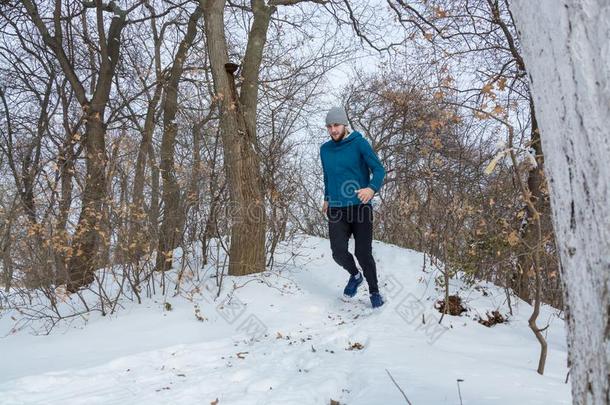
{"points": [[284, 339]]}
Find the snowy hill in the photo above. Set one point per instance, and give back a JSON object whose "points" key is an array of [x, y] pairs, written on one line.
{"points": [[286, 337]]}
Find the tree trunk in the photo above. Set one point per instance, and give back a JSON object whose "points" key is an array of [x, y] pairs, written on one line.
{"points": [[566, 52], [153, 214], [66, 161], [173, 213], [215, 191], [144, 228], [139, 235], [90, 228], [528, 230], [247, 251], [89, 236], [192, 200]]}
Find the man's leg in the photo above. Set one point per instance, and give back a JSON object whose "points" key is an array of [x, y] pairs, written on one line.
{"points": [[362, 226], [339, 232]]}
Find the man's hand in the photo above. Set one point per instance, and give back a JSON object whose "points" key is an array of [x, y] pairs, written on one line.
{"points": [[324, 207], [365, 194]]}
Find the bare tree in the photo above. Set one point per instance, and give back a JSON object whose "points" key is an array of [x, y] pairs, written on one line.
{"points": [[89, 236], [238, 125], [173, 213]]}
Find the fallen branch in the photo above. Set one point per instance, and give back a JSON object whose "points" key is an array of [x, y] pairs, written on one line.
{"points": [[398, 386]]}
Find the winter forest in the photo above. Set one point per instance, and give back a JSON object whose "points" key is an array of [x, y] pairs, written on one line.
{"points": [[165, 229]]}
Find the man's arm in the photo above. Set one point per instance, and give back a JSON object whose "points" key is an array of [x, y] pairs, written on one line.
{"points": [[326, 196], [374, 164]]}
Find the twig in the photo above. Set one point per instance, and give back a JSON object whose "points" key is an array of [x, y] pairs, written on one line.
{"points": [[398, 386]]}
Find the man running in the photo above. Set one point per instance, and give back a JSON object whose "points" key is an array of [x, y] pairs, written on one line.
{"points": [[348, 160]]}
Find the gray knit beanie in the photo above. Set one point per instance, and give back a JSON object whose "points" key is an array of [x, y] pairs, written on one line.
{"points": [[336, 115]]}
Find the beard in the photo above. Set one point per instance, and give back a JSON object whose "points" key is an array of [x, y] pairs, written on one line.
{"points": [[340, 137]]}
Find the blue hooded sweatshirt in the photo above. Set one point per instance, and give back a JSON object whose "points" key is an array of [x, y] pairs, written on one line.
{"points": [[347, 167]]}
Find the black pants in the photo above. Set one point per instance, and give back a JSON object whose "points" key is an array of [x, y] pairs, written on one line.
{"points": [[356, 220]]}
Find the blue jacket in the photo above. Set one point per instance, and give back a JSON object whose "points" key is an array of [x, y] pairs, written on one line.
{"points": [[347, 167]]}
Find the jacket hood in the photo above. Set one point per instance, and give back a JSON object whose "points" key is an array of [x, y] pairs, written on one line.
{"points": [[351, 138]]}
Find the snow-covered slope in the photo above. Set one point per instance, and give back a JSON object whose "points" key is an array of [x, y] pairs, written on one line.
{"points": [[286, 337]]}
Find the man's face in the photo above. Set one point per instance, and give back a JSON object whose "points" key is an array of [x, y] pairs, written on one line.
{"points": [[336, 131]]}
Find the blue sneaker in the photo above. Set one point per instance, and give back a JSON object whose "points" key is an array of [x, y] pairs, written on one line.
{"points": [[376, 300], [352, 285]]}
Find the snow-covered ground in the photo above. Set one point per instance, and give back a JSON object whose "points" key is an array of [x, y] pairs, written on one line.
{"points": [[286, 337]]}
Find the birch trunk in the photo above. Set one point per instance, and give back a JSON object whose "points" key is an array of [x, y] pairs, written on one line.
{"points": [[567, 51]]}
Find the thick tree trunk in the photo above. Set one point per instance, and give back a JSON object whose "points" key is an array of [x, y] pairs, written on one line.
{"points": [[247, 251], [89, 236], [566, 51]]}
